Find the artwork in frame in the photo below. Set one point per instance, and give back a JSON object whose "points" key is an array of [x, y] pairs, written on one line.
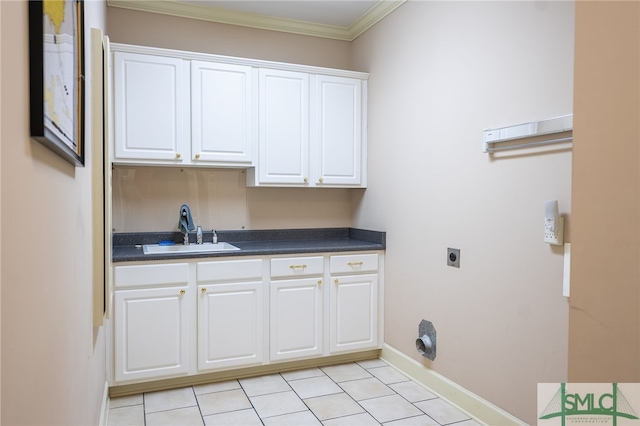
{"points": [[56, 67]]}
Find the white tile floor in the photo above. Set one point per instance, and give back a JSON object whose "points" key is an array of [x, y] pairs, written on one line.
{"points": [[358, 393]]}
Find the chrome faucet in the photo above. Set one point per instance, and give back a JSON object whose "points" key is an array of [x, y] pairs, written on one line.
{"points": [[199, 235], [185, 223]]}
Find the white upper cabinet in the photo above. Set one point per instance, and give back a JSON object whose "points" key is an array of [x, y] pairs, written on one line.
{"points": [[337, 131], [312, 131], [221, 112], [173, 111], [287, 124], [283, 127], [150, 107]]}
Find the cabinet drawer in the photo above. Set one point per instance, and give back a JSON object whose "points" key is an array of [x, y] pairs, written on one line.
{"points": [[156, 275], [297, 266], [354, 263], [229, 270]]}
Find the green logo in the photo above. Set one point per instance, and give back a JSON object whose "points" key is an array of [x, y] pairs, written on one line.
{"points": [[565, 404]]}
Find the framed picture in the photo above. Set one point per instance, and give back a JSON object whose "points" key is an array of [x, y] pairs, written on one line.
{"points": [[56, 67]]}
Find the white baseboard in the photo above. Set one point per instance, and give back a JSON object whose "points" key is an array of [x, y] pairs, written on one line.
{"points": [[479, 409], [104, 407]]}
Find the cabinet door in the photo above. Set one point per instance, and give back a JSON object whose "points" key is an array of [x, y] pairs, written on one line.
{"points": [[230, 331], [283, 127], [151, 333], [150, 107], [337, 131], [221, 126], [354, 307], [296, 318]]}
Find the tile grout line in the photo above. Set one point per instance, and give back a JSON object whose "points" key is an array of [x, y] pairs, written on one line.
{"points": [[401, 396], [352, 398], [308, 408], [305, 404], [459, 421], [413, 403], [144, 409], [249, 399], [198, 405], [394, 391]]}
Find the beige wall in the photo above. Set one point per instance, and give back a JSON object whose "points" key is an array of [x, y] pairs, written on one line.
{"points": [[53, 360], [440, 73], [151, 29], [147, 199], [604, 321], [228, 204]]}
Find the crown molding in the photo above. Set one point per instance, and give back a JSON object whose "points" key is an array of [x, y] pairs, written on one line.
{"points": [[373, 16], [252, 20]]}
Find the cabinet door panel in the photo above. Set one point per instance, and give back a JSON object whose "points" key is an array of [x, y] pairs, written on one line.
{"points": [[296, 318], [230, 325], [221, 112], [354, 307], [283, 127], [150, 109], [151, 335], [338, 133]]}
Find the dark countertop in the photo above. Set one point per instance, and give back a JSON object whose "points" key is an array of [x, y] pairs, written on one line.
{"points": [[253, 243]]}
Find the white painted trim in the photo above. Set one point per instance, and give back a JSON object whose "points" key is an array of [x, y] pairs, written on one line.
{"points": [[104, 407], [478, 408], [373, 16], [245, 19], [97, 176]]}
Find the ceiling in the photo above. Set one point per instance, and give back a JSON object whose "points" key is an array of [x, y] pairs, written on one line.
{"points": [[336, 19]]}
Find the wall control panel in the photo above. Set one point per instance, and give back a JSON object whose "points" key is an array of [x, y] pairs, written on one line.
{"points": [[553, 224]]}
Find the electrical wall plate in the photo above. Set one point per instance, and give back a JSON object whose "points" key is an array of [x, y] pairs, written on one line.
{"points": [[453, 257]]}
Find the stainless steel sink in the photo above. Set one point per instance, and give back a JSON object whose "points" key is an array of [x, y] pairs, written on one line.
{"points": [[190, 248]]}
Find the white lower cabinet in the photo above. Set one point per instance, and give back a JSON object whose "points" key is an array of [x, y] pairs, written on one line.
{"points": [[176, 319], [353, 319], [230, 314], [296, 318], [354, 307], [151, 321], [295, 325], [151, 333]]}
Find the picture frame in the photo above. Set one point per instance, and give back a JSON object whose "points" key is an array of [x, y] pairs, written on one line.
{"points": [[56, 71]]}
